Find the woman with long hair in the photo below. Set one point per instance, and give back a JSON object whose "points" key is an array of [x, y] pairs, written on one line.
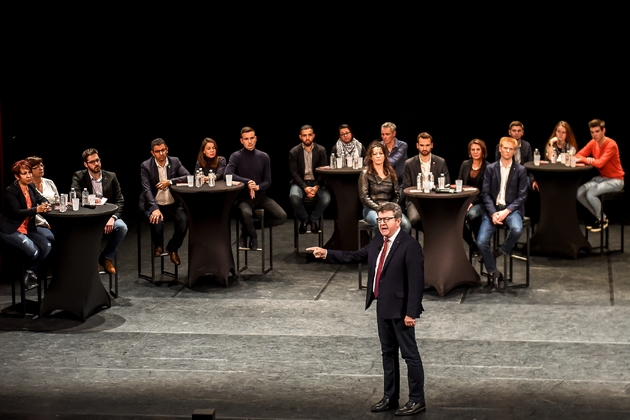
{"points": [[45, 186], [378, 184], [209, 159], [562, 140]]}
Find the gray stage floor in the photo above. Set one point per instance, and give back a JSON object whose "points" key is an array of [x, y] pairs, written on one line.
{"points": [[297, 344]]}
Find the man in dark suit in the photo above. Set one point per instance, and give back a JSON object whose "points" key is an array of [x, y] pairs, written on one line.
{"points": [[157, 174], [396, 280], [504, 193], [424, 163], [103, 184], [303, 159]]}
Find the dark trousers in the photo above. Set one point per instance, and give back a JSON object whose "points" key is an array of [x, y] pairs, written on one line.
{"points": [[395, 335], [274, 214], [176, 213]]}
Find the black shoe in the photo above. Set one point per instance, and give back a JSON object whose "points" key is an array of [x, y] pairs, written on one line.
{"points": [[314, 228], [242, 241], [30, 280], [253, 244], [302, 229], [384, 404], [497, 253], [599, 225], [497, 277], [411, 408]]}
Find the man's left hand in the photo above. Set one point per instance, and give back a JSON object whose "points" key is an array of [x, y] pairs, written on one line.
{"points": [[110, 225], [409, 321], [535, 186]]}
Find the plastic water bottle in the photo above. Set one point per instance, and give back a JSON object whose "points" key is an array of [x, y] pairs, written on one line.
{"points": [[333, 161], [553, 155], [84, 197], [536, 157], [211, 178], [73, 194], [419, 182], [441, 181], [567, 159], [431, 179]]}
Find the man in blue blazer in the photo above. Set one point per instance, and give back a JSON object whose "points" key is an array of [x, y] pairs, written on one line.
{"points": [[396, 280], [504, 193], [157, 174]]}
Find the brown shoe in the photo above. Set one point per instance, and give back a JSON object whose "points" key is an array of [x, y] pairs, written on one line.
{"points": [[157, 251], [107, 265], [174, 257]]}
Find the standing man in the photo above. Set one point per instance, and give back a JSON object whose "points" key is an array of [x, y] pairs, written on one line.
{"points": [[253, 168], [424, 163], [397, 151], [601, 152], [303, 159], [523, 152], [103, 184], [347, 145], [504, 193], [396, 280], [157, 174]]}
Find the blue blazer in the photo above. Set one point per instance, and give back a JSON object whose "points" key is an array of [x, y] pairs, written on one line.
{"points": [[515, 190], [402, 279], [149, 178]]}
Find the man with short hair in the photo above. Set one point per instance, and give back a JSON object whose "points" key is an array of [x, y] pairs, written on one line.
{"points": [[396, 281], [424, 163], [601, 152], [504, 193], [253, 167], [347, 145], [397, 150], [523, 152], [104, 185], [157, 174], [303, 159]]}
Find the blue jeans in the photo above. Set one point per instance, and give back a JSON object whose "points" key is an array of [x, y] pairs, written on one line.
{"points": [[474, 212], [296, 194], [115, 238], [370, 216], [588, 192], [35, 244], [514, 221]]}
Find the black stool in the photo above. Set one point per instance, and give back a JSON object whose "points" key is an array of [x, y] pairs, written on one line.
{"points": [[363, 226], [616, 196], [309, 205], [114, 277], [259, 224], [163, 272], [15, 268]]}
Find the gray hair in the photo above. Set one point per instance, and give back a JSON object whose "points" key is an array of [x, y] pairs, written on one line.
{"points": [[389, 206], [389, 125]]}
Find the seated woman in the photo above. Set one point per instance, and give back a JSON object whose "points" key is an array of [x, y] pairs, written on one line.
{"points": [[208, 159], [378, 184], [562, 140], [45, 186], [471, 173], [17, 224]]}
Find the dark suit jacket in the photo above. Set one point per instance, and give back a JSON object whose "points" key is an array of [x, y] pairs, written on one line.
{"points": [[149, 178], [402, 279], [464, 173], [15, 210], [515, 190], [111, 187], [296, 164], [412, 168]]}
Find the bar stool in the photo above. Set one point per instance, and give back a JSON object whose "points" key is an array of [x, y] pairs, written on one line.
{"points": [[14, 267], [153, 257], [259, 224], [363, 226], [309, 205], [616, 196], [114, 277]]}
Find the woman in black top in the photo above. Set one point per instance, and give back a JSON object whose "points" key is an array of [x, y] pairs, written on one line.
{"points": [[208, 158]]}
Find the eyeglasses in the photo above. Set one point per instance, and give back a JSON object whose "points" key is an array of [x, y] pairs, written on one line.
{"points": [[345, 134], [384, 219], [93, 162]]}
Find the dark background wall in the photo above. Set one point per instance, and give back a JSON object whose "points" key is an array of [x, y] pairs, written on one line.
{"points": [[116, 87]]}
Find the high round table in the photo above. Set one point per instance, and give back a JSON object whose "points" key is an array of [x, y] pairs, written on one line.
{"points": [[558, 232], [76, 286], [209, 241], [446, 265], [344, 184]]}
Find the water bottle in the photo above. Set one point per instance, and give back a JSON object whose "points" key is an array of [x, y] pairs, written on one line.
{"points": [[73, 194], [84, 197], [355, 162], [441, 181], [536, 157], [333, 161], [211, 178], [419, 182], [553, 155], [56, 198], [426, 183], [567, 159], [431, 179], [573, 158]]}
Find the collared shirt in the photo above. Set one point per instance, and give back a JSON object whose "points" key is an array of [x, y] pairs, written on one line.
{"points": [[425, 167], [97, 185], [505, 173], [308, 164], [378, 257], [163, 197]]}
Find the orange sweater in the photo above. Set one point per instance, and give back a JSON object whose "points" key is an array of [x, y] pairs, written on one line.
{"points": [[607, 159]]}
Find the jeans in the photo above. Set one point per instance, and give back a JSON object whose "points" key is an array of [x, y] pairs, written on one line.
{"points": [[370, 216], [514, 221], [176, 213], [35, 244], [274, 214], [296, 194], [474, 212], [588, 192], [115, 237]]}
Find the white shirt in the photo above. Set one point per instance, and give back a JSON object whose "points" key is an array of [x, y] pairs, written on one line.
{"points": [[425, 167], [505, 173], [163, 197]]}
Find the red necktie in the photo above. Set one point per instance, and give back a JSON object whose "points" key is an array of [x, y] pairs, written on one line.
{"points": [[380, 267]]}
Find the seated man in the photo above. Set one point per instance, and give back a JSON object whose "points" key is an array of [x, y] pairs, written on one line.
{"points": [[253, 168], [601, 152], [103, 184], [397, 152], [504, 193], [303, 159], [157, 174]]}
